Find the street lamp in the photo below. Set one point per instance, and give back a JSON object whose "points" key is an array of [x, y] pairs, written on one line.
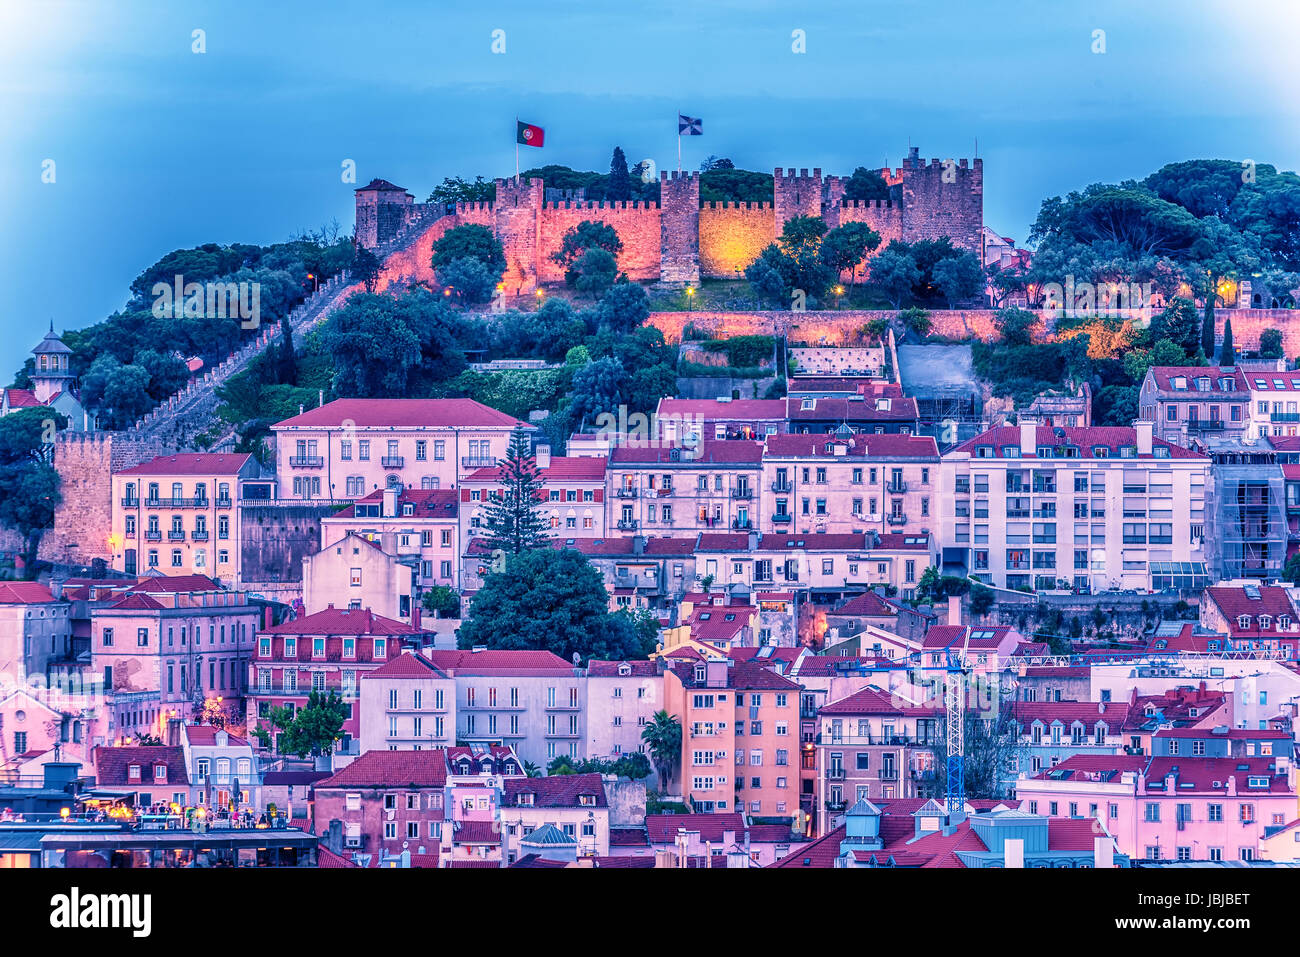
{"points": [[690, 297], [315, 280]]}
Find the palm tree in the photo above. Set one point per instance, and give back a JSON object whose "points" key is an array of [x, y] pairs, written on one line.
{"points": [[531, 770], [663, 735]]}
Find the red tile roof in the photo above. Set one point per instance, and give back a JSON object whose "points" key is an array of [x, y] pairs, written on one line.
{"points": [[427, 502], [561, 790], [1164, 376], [379, 769], [171, 584], [1113, 438], [716, 410], [343, 621], [1204, 775], [408, 413], [476, 832], [610, 669], [741, 676], [1235, 602], [205, 735], [112, 762], [136, 602], [191, 463], [494, 661], [857, 446], [709, 452], [873, 701], [862, 408], [581, 468], [327, 858], [22, 398], [24, 593], [868, 605], [406, 665], [1088, 713]]}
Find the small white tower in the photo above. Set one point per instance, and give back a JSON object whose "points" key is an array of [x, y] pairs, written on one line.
{"points": [[52, 373]]}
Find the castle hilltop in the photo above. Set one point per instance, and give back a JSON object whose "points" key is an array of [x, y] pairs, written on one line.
{"points": [[678, 240]]}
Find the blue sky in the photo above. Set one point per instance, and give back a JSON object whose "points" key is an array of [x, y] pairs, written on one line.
{"points": [[157, 147]]}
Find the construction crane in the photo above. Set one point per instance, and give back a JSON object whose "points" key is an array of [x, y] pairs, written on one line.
{"points": [[954, 701]]}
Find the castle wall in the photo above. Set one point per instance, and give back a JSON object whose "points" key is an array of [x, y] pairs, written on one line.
{"points": [[680, 238], [823, 327], [517, 223], [795, 194], [933, 208], [637, 225], [415, 261], [84, 518], [732, 235]]}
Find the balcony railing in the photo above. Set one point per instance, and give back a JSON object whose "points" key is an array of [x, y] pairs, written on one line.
{"points": [[897, 486], [626, 493], [742, 493], [627, 524], [1285, 417], [781, 518], [152, 535], [782, 487], [896, 519], [224, 501], [306, 462], [130, 502], [477, 461], [741, 524], [835, 774], [176, 503], [175, 536], [888, 774], [393, 461], [1207, 425], [199, 535]]}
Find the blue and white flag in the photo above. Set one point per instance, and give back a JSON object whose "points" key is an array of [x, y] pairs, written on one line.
{"points": [[689, 126]]}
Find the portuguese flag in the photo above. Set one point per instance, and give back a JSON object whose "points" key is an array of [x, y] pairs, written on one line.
{"points": [[529, 135]]}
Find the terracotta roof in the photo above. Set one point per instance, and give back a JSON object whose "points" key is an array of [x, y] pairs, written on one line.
{"points": [[112, 762], [136, 602], [327, 858], [610, 669], [496, 661], [580, 468], [427, 502], [22, 398], [425, 769], [1235, 602], [861, 408], [380, 184], [709, 452], [476, 832], [1088, 713], [560, 790], [873, 701], [409, 413], [205, 735], [1112, 438], [868, 605], [24, 593], [406, 665], [171, 584], [716, 410], [342, 621], [1164, 376], [628, 837], [741, 676], [191, 463], [857, 446]]}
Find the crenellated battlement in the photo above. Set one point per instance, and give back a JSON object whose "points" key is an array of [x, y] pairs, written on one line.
{"points": [[600, 205], [679, 239]]}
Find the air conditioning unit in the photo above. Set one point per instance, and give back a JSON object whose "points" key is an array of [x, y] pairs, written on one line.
{"points": [[352, 842]]}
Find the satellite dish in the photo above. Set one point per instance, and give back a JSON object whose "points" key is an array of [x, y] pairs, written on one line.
{"points": [[576, 659]]}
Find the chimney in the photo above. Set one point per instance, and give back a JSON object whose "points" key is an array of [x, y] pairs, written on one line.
{"points": [[1143, 430], [333, 838], [1103, 852], [390, 503], [954, 609], [266, 617], [1013, 851], [543, 457], [173, 732], [415, 614], [752, 544], [56, 589], [1028, 438]]}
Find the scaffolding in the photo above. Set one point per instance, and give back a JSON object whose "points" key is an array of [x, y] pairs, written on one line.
{"points": [[1247, 537]]}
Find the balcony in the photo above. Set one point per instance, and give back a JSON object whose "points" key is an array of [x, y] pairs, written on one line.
{"points": [[1284, 417], [200, 535], [896, 519], [477, 461], [782, 487], [836, 774], [626, 493], [152, 535], [741, 524], [393, 461], [835, 806], [175, 536], [130, 502], [888, 774], [1209, 425], [176, 503], [627, 524], [897, 486], [742, 493], [223, 501], [306, 462], [782, 518]]}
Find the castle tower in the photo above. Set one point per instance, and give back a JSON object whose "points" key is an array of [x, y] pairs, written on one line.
{"points": [[517, 216], [52, 373], [944, 198], [679, 227], [795, 195], [382, 210], [832, 196]]}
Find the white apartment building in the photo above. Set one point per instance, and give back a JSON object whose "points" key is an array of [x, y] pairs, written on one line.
{"points": [[1092, 509]]}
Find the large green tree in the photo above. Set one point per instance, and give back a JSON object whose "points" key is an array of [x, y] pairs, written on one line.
{"points": [[513, 522], [316, 727], [552, 599], [847, 246], [29, 485], [663, 736]]}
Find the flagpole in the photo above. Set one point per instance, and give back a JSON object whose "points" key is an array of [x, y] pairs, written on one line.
{"points": [[516, 149], [679, 141]]}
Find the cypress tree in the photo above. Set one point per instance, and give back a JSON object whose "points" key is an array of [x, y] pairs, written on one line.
{"points": [[1227, 356], [514, 522], [620, 183], [1207, 326]]}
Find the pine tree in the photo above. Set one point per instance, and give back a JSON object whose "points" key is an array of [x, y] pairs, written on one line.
{"points": [[1227, 355], [514, 522], [620, 183]]}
